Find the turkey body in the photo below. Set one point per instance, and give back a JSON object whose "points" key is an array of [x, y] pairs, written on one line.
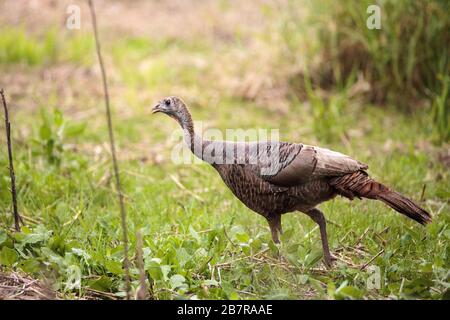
{"points": [[267, 198], [300, 178], [273, 178]]}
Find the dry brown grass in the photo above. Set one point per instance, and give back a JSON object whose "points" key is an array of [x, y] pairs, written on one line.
{"points": [[155, 19], [241, 64], [16, 286]]}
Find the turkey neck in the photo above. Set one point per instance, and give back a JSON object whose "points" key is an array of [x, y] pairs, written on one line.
{"points": [[192, 140]]}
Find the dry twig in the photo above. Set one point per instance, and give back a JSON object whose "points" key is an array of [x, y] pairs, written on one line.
{"points": [[16, 286], [17, 218], [373, 258], [113, 153], [182, 187]]}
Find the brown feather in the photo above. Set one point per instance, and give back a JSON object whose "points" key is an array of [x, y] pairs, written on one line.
{"points": [[361, 185]]}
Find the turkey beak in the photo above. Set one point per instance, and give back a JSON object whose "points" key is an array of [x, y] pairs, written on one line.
{"points": [[156, 109]]}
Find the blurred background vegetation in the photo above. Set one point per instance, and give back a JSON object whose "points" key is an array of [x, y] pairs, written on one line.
{"points": [[309, 68], [405, 63]]}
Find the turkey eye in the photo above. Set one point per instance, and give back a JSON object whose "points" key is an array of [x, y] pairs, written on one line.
{"points": [[167, 102]]}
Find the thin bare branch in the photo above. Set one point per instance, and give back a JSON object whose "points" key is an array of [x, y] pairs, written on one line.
{"points": [[422, 196], [372, 259], [17, 219], [182, 187], [113, 152]]}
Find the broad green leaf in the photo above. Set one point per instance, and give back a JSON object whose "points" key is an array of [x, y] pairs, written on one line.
{"points": [[183, 257], [8, 256], [233, 296], [39, 234], [53, 257], [210, 282], [331, 289], [194, 233], [273, 247], [165, 270], [45, 132], [113, 266], [81, 253], [346, 291], [3, 236], [201, 253], [73, 130], [313, 257], [156, 270], [58, 117], [177, 281], [30, 265], [102, 284]]}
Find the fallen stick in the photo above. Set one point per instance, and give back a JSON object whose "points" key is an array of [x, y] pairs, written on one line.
{"points": [[370, 261], [182, 187]]}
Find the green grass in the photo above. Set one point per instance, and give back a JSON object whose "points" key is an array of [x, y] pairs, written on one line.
{"points": [[20, 47], [210, 245], [17, 47], [75, 239]]}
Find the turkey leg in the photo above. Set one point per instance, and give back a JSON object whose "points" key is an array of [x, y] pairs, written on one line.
{"points": [[317, 216], [275, 227]]}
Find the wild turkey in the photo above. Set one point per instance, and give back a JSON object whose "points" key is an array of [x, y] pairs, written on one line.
{"points": [[273, 178]]}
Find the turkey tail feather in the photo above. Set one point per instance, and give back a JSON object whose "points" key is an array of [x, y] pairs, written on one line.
{"points": [[405, 206], [358, 184]]}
